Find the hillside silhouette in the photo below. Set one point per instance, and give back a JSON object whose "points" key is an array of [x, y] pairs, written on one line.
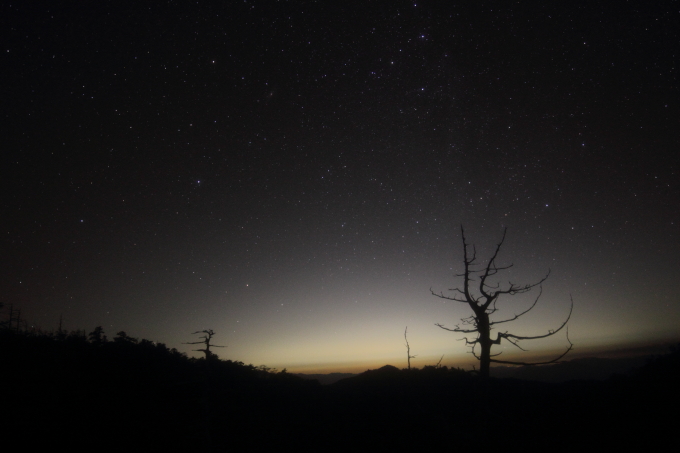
{"points": [[137, 395]]}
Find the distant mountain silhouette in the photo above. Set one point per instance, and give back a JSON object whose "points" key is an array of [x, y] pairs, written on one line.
{"points": [[386, 373]]}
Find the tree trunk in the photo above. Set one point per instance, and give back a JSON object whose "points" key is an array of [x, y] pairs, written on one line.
{"points": [[485, 359], [485, 343]]}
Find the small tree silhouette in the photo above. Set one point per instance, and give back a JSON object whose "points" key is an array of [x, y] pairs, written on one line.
{"points": [[408, 349], [123, 338], [484, 305], [206, 341], [96, 336]]}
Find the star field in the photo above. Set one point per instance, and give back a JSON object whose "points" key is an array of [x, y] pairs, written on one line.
{"points": [[294, 175]]}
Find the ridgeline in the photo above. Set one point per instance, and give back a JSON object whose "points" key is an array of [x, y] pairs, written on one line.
{"points": [[84, 391]]}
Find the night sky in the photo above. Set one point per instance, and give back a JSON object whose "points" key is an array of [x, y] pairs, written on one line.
{"points": [[293, 175]]}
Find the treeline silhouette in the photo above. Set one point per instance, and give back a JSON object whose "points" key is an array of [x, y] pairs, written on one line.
{"points": [[82, 390]]}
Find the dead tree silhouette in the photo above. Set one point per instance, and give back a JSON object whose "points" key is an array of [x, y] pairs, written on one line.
{"points": [[408, 349], [484, 304], [206, 341]]}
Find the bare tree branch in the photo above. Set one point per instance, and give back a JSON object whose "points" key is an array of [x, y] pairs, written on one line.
{"points": [[490, 266], [456, 329], [555, 360], [550, 333], [524, 312], [442, 296]]}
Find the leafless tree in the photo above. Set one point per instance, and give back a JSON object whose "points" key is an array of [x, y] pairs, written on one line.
{"points": [[206, 341], [483, 305], [408, 349]]}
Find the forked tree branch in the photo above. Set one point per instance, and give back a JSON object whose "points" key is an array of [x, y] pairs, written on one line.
{"points": [[550, 333], [442, 296], [524, 312], [490, 267], [456, 329]]}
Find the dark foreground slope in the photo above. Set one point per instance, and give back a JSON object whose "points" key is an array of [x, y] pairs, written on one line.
{"points": [[70, 393]]}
